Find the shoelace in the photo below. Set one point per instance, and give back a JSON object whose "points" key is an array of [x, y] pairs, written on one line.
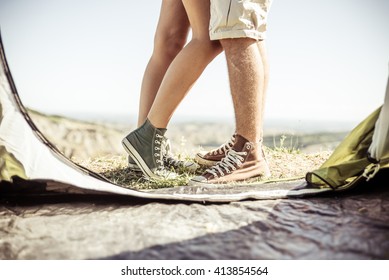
{"points": [[158, 151], [225, 147], [227, 164], [163, 148], [168, 157]]}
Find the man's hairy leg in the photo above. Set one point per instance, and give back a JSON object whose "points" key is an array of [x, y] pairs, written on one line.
{"points": [[263, 52], [247, 82]]}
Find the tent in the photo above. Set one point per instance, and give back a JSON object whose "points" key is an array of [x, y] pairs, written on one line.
{"points": [[360, 156], [30, 164]]}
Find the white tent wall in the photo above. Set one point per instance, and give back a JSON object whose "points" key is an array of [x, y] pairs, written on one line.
{"points": [[380, 141]]}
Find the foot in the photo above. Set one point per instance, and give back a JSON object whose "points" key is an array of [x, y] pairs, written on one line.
{"points": [[145, 147], [245, 161], [214, 156], [171, 162]]}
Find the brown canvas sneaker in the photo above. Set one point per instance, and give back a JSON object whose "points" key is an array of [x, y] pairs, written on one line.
{"points": [[245, 161], [214, 156]]}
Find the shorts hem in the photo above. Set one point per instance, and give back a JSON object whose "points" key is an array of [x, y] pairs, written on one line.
{"points": [[232, 34]]}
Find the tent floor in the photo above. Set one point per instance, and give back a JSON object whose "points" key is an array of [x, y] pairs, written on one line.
{"points": [[352, 225]]}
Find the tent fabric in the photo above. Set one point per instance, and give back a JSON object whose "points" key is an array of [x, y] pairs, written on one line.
{"points": [[363, 153], [380, 144], [10, 166]]}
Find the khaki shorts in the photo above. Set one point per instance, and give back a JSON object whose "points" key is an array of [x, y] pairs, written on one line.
{"points": [[238, 18]]}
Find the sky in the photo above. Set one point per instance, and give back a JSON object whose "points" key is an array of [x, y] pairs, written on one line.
{"points": [[328, 59]]}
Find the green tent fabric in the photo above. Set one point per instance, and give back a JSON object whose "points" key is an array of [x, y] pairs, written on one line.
{"points": [[360, 156], [10, 166]]}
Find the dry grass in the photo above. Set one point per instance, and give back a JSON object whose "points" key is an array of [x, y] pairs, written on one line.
{"points": [[283, 164], [115, 169]]}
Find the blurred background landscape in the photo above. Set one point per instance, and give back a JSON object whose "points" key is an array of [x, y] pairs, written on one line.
{"points": [[82, 138]]}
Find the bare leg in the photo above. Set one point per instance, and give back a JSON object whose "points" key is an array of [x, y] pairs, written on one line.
{"points": [[247, 69], [170, 37], [187, 66], [210, 158], [248, 79], [265, 64]]}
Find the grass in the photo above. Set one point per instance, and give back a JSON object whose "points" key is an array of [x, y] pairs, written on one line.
{"points": [[284, 147], [114, 168], [284, 163]]}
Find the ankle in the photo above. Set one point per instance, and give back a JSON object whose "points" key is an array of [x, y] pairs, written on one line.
{"points": [[157, 123], [250, 137], [255, 148], [149, 126]]}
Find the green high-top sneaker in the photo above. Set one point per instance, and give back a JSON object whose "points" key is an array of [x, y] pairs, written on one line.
{"points": [[145, 145], [170, 161]]}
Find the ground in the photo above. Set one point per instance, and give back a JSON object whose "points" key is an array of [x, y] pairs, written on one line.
{"points": [[344, 226], [353, 225]]}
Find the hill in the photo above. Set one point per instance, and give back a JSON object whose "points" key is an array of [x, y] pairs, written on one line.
{"points": [[82, 139]]}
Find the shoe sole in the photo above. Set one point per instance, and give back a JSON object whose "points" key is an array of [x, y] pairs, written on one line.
{"points": [[138, 159], [134, 168], [205, 162], [190, 167]]}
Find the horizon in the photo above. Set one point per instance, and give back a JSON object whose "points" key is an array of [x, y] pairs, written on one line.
{"points": [[271, 125]]}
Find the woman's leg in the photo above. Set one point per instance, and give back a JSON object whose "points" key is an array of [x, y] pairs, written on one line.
{"points": [[145, 145], [188, 65], [170, 37]]}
